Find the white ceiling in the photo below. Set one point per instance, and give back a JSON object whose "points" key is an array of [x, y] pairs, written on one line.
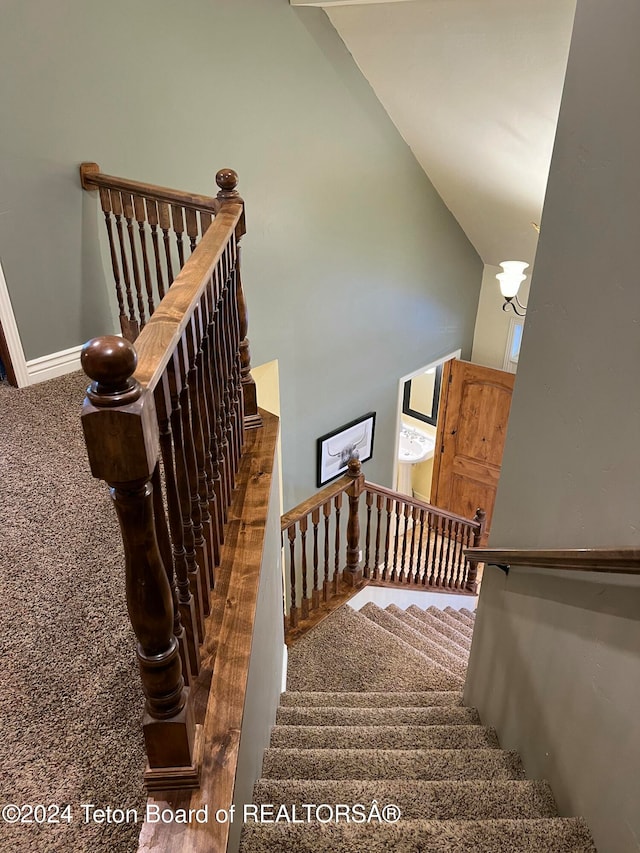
{"points": [[474, 88]]}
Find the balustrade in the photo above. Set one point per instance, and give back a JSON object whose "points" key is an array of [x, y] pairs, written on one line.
{"points": [[164, 425]]}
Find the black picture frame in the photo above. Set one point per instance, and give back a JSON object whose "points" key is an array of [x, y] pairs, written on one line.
{"points": [[428, 417], [338, 446]]}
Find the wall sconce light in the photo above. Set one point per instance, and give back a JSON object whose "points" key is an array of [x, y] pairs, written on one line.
{"points": [[510, 279]]}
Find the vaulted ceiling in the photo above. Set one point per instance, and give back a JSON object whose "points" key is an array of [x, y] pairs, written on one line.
{"points": [[474, 87]]}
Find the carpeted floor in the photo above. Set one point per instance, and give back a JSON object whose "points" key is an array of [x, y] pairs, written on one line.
{"points": [[391, 730], [70, 698]]}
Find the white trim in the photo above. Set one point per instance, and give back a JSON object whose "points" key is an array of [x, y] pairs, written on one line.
{"points": [[12, 335], [56, 364]]}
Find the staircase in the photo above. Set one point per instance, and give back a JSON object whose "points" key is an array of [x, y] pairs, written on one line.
{"points": [[374, 716]]}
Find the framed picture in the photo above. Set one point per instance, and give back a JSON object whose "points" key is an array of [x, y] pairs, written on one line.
{"points": [[336, 448]]}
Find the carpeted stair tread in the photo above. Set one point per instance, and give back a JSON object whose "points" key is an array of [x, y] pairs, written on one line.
{"points": [[426, 764], [460, 617], [348, 652], [431, 649], [428, 698], [448, 800], [441, 626], [385, 737], [545, 835], [341, 716], [451, 621], [469, 614], [430, 631]]}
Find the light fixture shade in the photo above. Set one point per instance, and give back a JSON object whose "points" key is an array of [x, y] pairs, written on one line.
{"points": [[512, 277]]}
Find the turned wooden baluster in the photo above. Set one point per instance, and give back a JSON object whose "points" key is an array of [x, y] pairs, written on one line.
{"points": [[441, 526], [127, 205], [116, 206], [225, 355], [326, 587], [211, 545], [387, 540], [396, 535], [379, 506], [178, 227], [237, 401], [224, 454], [457, 554], [315, 593], [205, 395], [184, 491], [302, 524], [337, 505], [186, 603], [191, 218], [227, 180], [430, 556], [189, 428], [208, 354], [138, 207], [165, 224], [420, 570], [410, 567], [403, 561], [105, 203], [293, 610], [152, 218], [121, 434], [472, 575], [367, 537], [166, 552]]}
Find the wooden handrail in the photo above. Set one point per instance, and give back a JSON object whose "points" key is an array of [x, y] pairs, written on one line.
{"points": [[160, 336], [389, 493], [612, 560], [92, 179], [315, 502]]}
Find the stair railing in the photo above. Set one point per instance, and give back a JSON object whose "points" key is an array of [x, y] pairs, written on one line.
{"points": [[164, 427], [333, 544], [152, 231], [408, 541]]}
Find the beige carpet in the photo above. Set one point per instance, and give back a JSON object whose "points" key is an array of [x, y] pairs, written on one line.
{"points": [[374, 714], [70, 697]]}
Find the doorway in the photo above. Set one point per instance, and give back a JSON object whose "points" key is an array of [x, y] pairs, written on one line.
{"points": [[416, 427]]}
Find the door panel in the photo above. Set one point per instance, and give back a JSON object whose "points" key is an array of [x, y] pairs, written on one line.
{"points": [[472, 427]]}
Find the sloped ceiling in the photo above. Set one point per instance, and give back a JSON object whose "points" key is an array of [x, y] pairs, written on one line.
{"points": [[474, 87]]}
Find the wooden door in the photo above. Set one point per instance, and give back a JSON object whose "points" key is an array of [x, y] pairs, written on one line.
{"points": [[472, 426]]}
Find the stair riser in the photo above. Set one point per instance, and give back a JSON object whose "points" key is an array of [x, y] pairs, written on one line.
{"points": [[428, 765], [384, 737], [375, 700], [419, 800], [377, 716], [555, 835]]}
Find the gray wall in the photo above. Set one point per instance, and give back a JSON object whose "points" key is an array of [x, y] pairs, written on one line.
{"points": [[554, 663], [555, 668], [355, 271], [265, 670]]}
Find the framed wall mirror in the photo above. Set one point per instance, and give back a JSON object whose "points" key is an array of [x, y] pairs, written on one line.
{"points": [[422, 395]]}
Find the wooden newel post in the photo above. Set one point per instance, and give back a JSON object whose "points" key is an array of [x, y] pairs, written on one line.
{"points": [[121, 434], [472, 583], [227, 180], [352, 574]]}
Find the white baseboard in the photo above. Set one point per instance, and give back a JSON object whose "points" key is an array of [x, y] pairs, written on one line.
{"points": [[56, 364]]}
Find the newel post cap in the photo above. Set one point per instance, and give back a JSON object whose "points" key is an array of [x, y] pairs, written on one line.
{"points": [[110, 362]]}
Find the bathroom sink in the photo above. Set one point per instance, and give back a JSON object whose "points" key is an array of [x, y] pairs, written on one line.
{"points": [[415, 445]]}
